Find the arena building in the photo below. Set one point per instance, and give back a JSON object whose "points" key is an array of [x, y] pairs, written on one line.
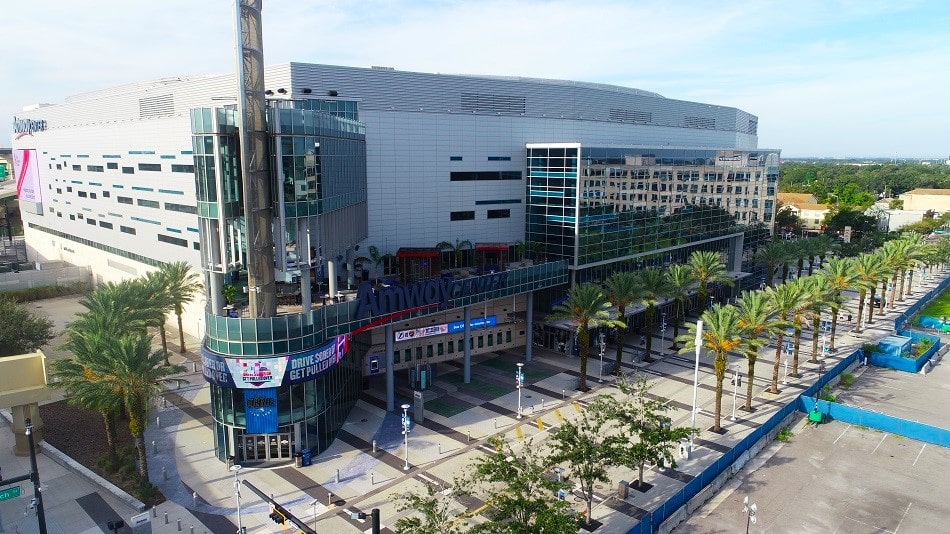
{"points": [[368, 221]]}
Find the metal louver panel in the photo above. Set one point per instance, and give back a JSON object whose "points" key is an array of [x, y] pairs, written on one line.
{"points": [[156, 106], [487, 103]]}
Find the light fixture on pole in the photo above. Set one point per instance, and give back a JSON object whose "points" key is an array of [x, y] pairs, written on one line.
{"points": [[406, 424], [699, 345], [603, 348], [735, 392], [35, 476], [236, 469], [749, 510], [519, 382], [663, 326]]}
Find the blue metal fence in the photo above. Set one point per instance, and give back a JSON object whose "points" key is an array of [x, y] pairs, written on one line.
{"points": [[879, 421], [921, 302]]}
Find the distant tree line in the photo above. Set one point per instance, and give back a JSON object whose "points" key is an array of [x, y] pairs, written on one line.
{"points": [[860, 185]]}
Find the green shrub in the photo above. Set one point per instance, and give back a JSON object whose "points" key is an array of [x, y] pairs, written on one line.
{"points": [[869, 347], [48, 292], [784, 435], [847, 380], [826, 394]]}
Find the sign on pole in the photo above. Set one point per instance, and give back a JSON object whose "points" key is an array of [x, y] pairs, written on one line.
{"points": [[9, 493], [847, 234]]}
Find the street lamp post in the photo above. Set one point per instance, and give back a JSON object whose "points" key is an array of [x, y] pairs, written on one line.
{"points": [[405, 432], [35, 477], [735, 392], [603, 348], [699, 345], [519, 382], [663, 326], [749, 510], [236, 469]]}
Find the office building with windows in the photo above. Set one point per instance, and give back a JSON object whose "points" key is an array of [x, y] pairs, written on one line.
{"points": [[325, 276]]}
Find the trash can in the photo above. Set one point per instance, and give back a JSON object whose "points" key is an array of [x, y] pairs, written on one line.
{"points": [[298, 459], [305, 457], [230, 462]]}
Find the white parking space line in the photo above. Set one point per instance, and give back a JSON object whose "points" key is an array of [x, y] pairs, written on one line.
{"points": [[902, 518], [879, 443], [918, 455], [842, 434]]}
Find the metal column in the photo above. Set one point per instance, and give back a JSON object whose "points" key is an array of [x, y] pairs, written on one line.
{"points": [[467, 365], [390, 378], [529, 330]]}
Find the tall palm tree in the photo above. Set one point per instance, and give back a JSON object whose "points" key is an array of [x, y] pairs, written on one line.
{"points": [[181, 284], [654, 285], [707, 268], [771, 256], [376, 258], [759, 321], [458, 248], [839, 272], [798, 315], [785, 298], [867, 268], [801, 250], [825, 245], [880, 271], [917, 253], [158, 299], [681, 280], [622, 288], [586, 306], [135, 373], [821, 295], [721, 334]]}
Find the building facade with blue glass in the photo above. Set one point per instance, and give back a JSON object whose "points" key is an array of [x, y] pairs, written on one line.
{"points": [[369, 170]]}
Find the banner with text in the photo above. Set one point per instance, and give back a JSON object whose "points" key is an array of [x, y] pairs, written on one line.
{"points": [[261, 373]]}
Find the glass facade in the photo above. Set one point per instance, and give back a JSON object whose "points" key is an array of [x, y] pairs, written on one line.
{"points": [[594, 207]]}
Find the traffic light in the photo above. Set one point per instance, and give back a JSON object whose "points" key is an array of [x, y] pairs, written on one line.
{"points": [[278, 514]]}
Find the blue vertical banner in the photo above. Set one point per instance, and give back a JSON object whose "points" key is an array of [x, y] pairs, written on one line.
{"points": [[260, 410]]}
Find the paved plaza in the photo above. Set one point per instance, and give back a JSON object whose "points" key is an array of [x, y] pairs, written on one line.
{"points": [[351, 477]]}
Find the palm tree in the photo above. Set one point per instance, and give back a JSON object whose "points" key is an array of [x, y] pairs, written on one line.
{"points": [[821, 295], [376, 258], [722, 333], [680, 278], [135, 374], [708, 268], [867, 268], [654, 285], [881, 272], [785, 298], [917, 253], [622, 288], [895, 256], [457, 249], [759, 321], [159, 300], [798, 315], [586, 307], [181, 285], [840, 275], [800, 250], [772, 255]]}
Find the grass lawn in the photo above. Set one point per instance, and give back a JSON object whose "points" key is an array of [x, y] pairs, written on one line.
{"points": [[445, 408], [939, 306]]}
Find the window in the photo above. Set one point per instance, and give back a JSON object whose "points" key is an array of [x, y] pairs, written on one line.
{"points": [[451, 347], [183, 168], [94, 168], [91, 221], [72, 217], [418, 353], [147, 203], [462, 216], [77, 167], [484, 175], [455, 158], [196, 245], [499, 338], [128, 170], [106, 194], [104, 224], [124, 200], [92, 195], [499, 158], [499, 214], [481, 341], [441, 349], [112, 165], [172, 240], [69, 189], [58, 190], [171, 206], [491, 340], [127, 230], [154, 167], [396, 356], [508, 336]]}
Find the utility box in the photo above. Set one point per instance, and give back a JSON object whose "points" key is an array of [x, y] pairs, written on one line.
{"points": [[622, 488], [419, 408]]}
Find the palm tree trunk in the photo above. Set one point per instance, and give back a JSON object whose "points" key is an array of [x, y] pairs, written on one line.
{"points": [[621, 335], [137, 429], [798, 342], [893, 290], [181, 333], [815, 325], [883, 304], [857, 325], [778, 359], [583, 346], [703, 295], [801, 265], [751, 356], [910, 283], [785, 272], [677, 316], [717, 426], [871, 304], [770, 276], [900, 294], [811, 265], [108, 420], [650, 313], [834, 328], [640, 479], [161, 331]]}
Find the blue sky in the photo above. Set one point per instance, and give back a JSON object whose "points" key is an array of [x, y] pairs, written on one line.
{"points": [[826, 78]]}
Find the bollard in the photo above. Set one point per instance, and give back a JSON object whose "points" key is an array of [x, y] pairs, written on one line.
{"points": [[164, 402], [178, 523], [194, 499], [329, 499], [496, 423], [542, 404], [192, 529], [154, 512], [469, 435], [374, 446], [563, 394], [337, 476], [158, 421], [194, 367], [154, 447], [164, 473], [372, 478], [440, 449], [166, 517]]}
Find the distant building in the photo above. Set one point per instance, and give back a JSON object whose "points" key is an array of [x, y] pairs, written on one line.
{"points": [[889, 220], [927, 199], [806, 206]]}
